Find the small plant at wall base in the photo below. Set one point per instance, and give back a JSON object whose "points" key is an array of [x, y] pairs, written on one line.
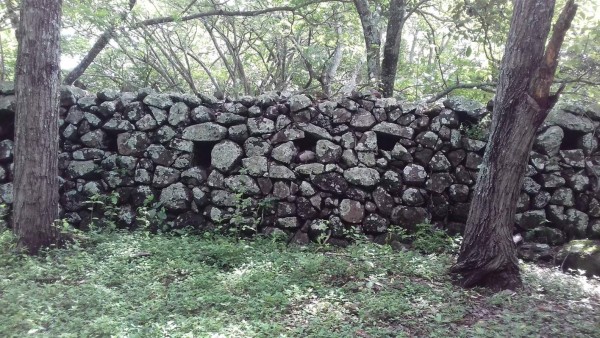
{"points": [[108, 207], [151, 214], [426, 239], [247, 215]]}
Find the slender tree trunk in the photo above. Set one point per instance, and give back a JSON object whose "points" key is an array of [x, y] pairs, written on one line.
{"points": [[35, 205], [330, 70], [91, 55], [391, 49], [372, 38], [488, 254]]}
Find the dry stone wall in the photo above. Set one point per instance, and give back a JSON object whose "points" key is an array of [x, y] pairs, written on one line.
{"points": [[362, 163]]}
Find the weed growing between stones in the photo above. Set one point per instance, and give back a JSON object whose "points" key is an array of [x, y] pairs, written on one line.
{"points": [[246, 217]]}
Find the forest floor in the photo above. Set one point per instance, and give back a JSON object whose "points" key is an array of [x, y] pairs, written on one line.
{"points": [[143, 285]]}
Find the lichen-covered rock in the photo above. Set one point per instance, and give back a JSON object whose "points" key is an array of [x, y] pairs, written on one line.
{"points": [[351, 211], [161, 155], [281, 172], [413, 197], [439, 162], [82, 169], [6, 150], [428, 139], [205, 132], [132, 143], [574, 158], [288, 222], [331, 182], [576, 222], [147, 122], [285, 152], [160, 101], [543, 234], [6, 193], [176, 197], [393, 129], [164, 176], [179, 114], [563, 196], [256, 166], [242, 183], [327, 151], [406, 216], [362, 177], [414, 174], [203, 114], [225, 155], [549, 141], [362, 120], [531, 219], [439, 182], [260, 125], [118, 125], [375, 224], [530, 186], [310, 169], [315, 131], [94, 139], [570, 121], [299, 102], [194, 176], [256, 147]]}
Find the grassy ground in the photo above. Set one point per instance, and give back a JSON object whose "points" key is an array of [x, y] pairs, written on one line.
{"points": [[142, 285]]}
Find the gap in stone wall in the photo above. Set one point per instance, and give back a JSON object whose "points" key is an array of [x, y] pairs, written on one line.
{"points": [[308, 143], [569, 141], [202, 154], [386, 142]]}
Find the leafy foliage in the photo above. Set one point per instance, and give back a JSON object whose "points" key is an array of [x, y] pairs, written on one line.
{"points": [[444, 43]]}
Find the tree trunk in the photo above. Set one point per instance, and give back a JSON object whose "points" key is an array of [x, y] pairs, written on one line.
{"points": [[488, 255], [391, 50], [35, 205], [372, 38]]}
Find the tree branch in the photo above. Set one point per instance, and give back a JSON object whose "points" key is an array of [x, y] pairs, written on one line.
{"points": [[544, 76], [460, 86], [221, 12], [98, 46]]}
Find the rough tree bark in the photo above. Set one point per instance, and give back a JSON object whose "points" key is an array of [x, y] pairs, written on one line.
{"points": [[372, 36], [488, 255], [35, 205], [391, 49]]}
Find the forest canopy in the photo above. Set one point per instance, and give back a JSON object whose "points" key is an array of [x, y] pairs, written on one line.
{"points": [[239, 47]]}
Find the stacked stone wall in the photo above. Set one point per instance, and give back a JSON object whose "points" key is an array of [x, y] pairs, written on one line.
{"points": [[307, 167]]}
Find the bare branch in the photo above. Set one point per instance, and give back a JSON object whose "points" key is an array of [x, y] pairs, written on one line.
{"points": [[450, 89]]}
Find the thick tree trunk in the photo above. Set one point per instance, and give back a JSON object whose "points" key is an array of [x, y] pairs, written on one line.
{"points": [[488, 255], [372, 38], [35, 205], [391, 49]]}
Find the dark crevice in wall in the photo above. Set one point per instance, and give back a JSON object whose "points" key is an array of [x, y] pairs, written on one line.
{"points": [[386, 141], [202, 154], [570, 139], [307, 143]]}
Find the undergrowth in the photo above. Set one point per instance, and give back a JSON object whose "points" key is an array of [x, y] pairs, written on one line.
{"points": [[139, 284]]}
